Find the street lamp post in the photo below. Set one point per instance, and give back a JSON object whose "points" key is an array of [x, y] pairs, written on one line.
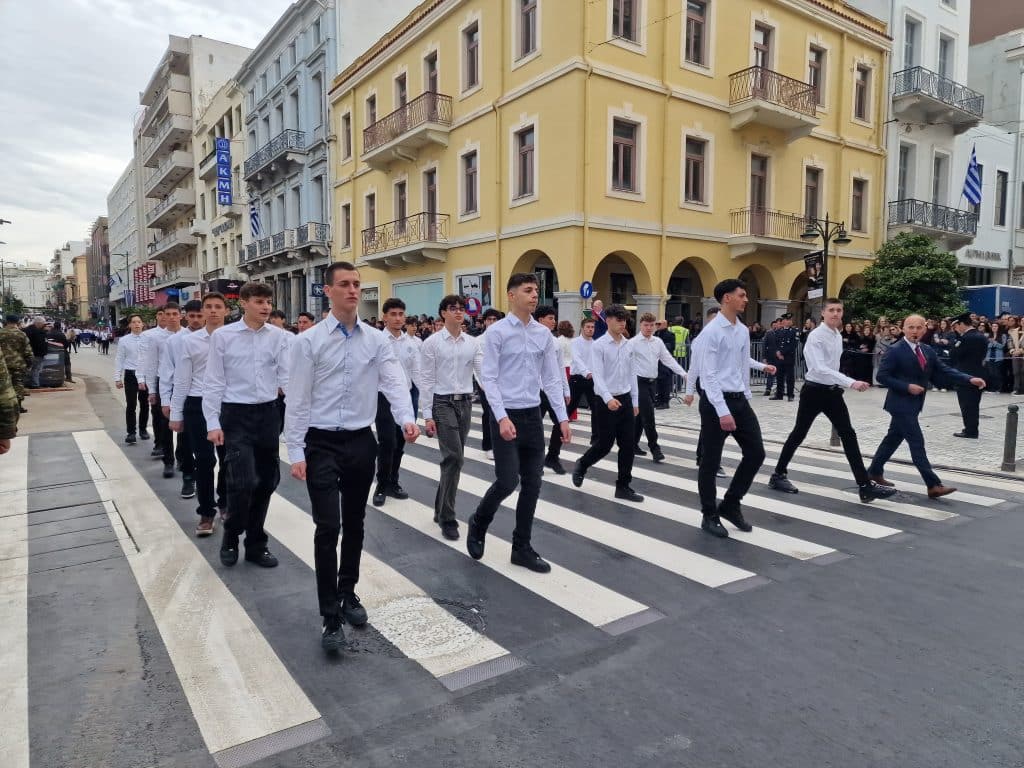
{"points": [[830, 232]]}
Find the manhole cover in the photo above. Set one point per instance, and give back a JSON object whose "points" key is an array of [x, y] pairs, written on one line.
{"points": [[407, 622]]}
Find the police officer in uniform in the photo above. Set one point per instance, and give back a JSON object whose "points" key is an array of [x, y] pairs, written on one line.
{"points": [[785, 356], [969, 357], [769, 355]]}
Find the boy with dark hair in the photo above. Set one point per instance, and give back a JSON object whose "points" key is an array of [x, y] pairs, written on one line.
{"points": [[278, 318], [305, 321]]}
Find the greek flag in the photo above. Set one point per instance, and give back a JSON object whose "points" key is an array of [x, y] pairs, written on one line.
{"points": [[111, 281], [972, 184], [254, 220]]}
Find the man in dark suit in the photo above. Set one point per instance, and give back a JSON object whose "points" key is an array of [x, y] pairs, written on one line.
{"points": [[597, 312], [968, 356], [906, 369], [785, 357]]}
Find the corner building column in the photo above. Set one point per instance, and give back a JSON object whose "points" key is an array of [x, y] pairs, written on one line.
{"points": [[570, 307], [652, 303]]}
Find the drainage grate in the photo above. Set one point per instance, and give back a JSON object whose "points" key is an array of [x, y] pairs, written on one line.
{"points": [[477, 673], [633, 621], [274, 743]]}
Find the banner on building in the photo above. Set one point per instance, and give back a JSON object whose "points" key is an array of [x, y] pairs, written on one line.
{"points": [[476, 287], [223, 147], [814, 264]]}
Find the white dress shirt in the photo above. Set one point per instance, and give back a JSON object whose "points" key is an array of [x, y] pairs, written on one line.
{"points": [[335, 375], [581, 348], [168, 355], [725, 361], [245, 366], [408, 354], [189, 370], [647, 352], [822, 351], [447, 366], [565, 350], [127, 356], [149, 354], [520, 360], [693, 375], [611, 364]]}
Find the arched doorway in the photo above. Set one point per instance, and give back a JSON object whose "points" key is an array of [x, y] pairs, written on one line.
{"points": [[799, 305], [540, 264], [850, 284], [760, 285], [691, 281], [619, 277]]}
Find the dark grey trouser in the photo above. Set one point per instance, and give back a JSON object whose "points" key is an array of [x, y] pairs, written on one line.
{"points": [[453, 419]]}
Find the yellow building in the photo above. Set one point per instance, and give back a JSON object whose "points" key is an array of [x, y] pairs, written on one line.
{"points": [[79, 296], [652, 147]]}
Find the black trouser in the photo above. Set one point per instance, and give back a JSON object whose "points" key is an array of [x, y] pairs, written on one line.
{"points": [[969, 398], [280, 410], [615, 427], [67, 364], [555, 442], [786, 375], [664, 384], [485, 422], [747, 435], [816, 399], [769, 378], [253, 468], [453, 418], [645, 421], [206, 457], [134, 398], [518, 461], [578, 387], [163, 438], [338, 462], [904, 426], [391, 444]]}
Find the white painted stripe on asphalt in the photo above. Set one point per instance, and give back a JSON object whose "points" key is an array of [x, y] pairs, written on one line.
{"points": [[789, 546], [682, 562], [404, 614], [234, 682], [14, 749], [595, 604]]}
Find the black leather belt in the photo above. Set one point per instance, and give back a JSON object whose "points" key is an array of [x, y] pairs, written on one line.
{"points": [[816, 385], [734, 395], [456, 398]]}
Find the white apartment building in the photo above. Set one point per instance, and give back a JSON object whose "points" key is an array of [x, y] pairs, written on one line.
{"points": [[62, 272], [189, 74], [30, 283], [127, 239]]}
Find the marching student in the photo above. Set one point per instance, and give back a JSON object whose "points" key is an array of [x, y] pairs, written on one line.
{"points": [[389, 434], [490, 317], [186, 415], [126, 366], [337, 369], [823, 393], [545, 315], [246, 369], [278, 318], [648, 350], [581, 380], [169, 354], [520, 360], [147, 378], [154, 354], [614, 407], [725, 409], [693, 376], [305, 321], [448, 362]]}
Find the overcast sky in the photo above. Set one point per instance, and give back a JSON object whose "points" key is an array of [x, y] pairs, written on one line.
{"points": [[71, 75]]}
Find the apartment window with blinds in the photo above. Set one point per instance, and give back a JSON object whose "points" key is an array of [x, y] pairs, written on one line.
{"points": [[624, 155], [860, 92], [525, 156], [471, 56], [1002, 182], [346, 225], [857, 205], [527, 27], [624, 19], [816, 73], [346, 136], [694, 179], [812, 193], [469, 183], [696, 32]]}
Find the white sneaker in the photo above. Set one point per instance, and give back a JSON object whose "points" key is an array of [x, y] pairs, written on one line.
{"points": [[489, 455]]}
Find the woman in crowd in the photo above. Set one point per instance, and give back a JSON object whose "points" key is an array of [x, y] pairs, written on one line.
{"points": [[1015, 352], [995, 355], [563, 339]]}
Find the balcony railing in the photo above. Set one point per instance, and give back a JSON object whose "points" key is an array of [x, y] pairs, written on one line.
{"points": [[428, 108], [314, 233], [252, 251], [924, 82], [178, 197], [179, 236], [764, 84], [761, 222], [418, 228], [920, 213], [285, 141]]}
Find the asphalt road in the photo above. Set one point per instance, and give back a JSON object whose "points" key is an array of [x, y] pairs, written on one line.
{"points": [[838, 634]]}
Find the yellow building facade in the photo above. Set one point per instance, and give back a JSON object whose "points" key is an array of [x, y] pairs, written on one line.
{"points": [[650, 147]]}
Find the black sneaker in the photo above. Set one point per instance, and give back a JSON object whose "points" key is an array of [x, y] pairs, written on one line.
{"points": [[397, 492], [475, 539], [130, 438], [711, 524], [143, 434], [871, 491], [554, 465], [378, 496], [188, 487], [735, 516], [779, 482], [720, 472], [352, 609], [261, 557], [228, 553], [332, 639], [577, 475], [450, 530], [628, 494], [638, 451], [527, 558], [657, 456], [168, 470], [157, 452]]}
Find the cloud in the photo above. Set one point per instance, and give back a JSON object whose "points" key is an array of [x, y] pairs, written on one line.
{"points": [[73, 70]]}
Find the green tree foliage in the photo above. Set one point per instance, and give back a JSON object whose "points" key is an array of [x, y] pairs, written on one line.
{"points": [[910, 275], [12, 305]]}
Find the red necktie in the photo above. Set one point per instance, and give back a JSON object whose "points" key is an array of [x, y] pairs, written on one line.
{"points": [[921, 358]]}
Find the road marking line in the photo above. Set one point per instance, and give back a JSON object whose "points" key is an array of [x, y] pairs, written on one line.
{"points": [[14, 749], [236, 685], [403, 613], [682, 562]]}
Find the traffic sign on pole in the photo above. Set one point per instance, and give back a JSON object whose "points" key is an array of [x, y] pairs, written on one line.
{"points": [[586, 289]]}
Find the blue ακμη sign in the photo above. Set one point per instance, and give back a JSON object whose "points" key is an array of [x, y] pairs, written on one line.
{"points": [[222, 144]]}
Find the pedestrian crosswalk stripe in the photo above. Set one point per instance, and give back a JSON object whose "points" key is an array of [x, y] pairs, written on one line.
{"points": [[682, 562], [403, 614], [781, 543], [223, 662], [14, 745], [586, 599]]}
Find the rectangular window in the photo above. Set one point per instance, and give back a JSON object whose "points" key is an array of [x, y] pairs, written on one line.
{"points": [[940, 179], [401, 92], [291, 54], [696, 32], [976, 209], [857, 207], [316, 33], [469, 181], [371, 110], [430, 78], [524, 182], [812, 193], [471, 56], [1002, 181], [318, 101], [904, 170], [346, 136], [624, 19], [401, 206], [1020, 207], [860, 92], [527, 27], [763, 42], [911, 42], [277, 69], [346, 225], [371, 211], [816, 73], [694, 184], [945, 62], [624, 155]]}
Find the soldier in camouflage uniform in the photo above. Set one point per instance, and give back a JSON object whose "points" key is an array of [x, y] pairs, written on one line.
{"points": [[8, 409], [17, 352]]}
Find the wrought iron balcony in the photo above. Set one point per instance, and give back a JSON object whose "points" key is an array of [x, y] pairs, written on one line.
{"points": [[208, 165], [408, 241], [313, 233], [401, 134], [760, 229], [251, 251], [918, 94], [287, 145], [953, 227], [761, 96]]}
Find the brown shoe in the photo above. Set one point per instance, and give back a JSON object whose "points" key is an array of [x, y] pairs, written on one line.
{"points": [[940, 490], [205, 527], [879, 480]]}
